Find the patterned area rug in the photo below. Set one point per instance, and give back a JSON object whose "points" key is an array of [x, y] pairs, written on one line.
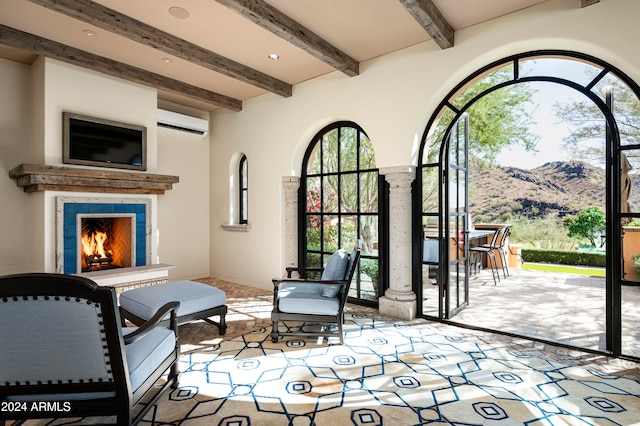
{"points": [[387, 374]]}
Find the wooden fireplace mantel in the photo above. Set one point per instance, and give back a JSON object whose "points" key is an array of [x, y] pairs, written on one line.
{"points": [[35, 178]]}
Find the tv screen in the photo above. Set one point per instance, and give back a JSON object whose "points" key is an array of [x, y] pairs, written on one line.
{"points": [[98, 142]]}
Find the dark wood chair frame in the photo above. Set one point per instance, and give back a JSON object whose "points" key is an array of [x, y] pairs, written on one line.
{"points": [[338, 319], [125, 401]]}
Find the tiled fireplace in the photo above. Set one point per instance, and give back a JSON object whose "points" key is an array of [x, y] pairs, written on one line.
{"points": [[73, 212], [107, 239], [122, 205]]}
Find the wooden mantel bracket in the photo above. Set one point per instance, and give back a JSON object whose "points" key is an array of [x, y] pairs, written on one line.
{"points": [[35, 178]]}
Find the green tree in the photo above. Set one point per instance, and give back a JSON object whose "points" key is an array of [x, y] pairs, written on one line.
{"points": [[586, 122], [588, 224], [498, 120], [342, 190]]}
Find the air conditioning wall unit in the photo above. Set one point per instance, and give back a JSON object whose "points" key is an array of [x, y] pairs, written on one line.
{"points": [[182, 122]]}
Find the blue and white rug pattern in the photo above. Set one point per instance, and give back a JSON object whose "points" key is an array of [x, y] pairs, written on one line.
{"points": [[388, 374]]}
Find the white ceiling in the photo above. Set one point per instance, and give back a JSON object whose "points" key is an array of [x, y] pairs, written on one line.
{"points": [[363, 29]]}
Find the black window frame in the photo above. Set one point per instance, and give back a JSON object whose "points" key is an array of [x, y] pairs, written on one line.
{"points": [[323, 253], [243, 190]]}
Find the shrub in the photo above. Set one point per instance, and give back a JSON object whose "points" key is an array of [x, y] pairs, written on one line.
{"points": [[546, 233], [564, 257], [370, 267]]}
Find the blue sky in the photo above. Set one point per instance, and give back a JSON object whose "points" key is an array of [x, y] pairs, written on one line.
{"points": [[551, 132], [548, 127]]}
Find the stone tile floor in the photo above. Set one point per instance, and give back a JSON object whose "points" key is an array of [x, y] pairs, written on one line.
{"points": [[250, 308], [566, 308]]}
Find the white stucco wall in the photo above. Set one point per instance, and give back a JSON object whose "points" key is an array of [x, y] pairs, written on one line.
{"points": [[392, 99], [183, 212], [32, 103], [15, 113], [70, 88]]}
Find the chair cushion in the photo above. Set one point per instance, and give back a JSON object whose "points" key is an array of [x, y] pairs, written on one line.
{"points": [[307, 299], [336, 266], [335, 269], [431, 250], [330, 290], [147, 353], [193, 297]]}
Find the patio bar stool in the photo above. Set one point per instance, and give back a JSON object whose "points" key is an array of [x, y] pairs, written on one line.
{"points": [[499, 246], [489, 251]]}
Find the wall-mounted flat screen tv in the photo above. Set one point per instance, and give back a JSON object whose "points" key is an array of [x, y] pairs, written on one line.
{"points": [[98, 142]]}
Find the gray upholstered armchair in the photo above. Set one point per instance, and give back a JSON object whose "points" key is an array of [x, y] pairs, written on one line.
{"points": [[64, 351], [313, 302]]}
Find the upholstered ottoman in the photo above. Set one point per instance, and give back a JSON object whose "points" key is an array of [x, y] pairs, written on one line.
{"points": [[197, 301]]}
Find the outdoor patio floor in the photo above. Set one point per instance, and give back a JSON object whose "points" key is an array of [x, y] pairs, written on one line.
{"points": [[565, 308]]}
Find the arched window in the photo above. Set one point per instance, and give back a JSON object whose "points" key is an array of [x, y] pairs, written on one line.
{"points": [[243, 190], [339, 205], [238, 194]]}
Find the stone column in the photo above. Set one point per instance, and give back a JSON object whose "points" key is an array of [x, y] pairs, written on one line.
{"points": [[399, 300], [291, 185]]}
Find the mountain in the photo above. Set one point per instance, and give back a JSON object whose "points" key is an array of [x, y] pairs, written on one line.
{"points": [[556, 188]]}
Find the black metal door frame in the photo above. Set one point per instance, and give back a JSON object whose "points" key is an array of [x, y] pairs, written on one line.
{"points": [[614, 277], [454, 289]]}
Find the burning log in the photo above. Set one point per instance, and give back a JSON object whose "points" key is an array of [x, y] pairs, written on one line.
{"points": [[96, 257], [99, 260]]}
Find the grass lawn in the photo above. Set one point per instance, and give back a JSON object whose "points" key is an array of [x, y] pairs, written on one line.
{"points": [[567, 269]]}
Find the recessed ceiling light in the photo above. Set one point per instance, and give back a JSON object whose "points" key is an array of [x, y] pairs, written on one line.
{"points": [[89, 32], [179, 12], [274, 57], [166, 60]]}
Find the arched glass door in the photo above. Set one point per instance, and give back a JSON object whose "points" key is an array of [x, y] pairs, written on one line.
{"points": [[456, 288], [445, 290], [440, 294]]}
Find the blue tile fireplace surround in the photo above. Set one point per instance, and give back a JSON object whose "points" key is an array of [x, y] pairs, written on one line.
{"points": [[72, 211]]}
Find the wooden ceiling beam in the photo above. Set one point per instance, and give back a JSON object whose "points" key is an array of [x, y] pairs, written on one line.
{"points": [[125, 26], [41, 46], [428, 15], [273, 20], [585, 3]]}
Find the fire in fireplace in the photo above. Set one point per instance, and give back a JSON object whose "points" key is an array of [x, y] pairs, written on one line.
{"points": [[106, 243], [129, 238]]}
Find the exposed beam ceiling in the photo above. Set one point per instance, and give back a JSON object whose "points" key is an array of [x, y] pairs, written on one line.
{"points": [[41, 46], [208, 54], [585, 3], [110, 20], [428, 15], [273, 20]]}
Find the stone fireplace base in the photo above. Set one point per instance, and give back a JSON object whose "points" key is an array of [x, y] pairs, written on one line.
{"points": [[127, 278]]}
